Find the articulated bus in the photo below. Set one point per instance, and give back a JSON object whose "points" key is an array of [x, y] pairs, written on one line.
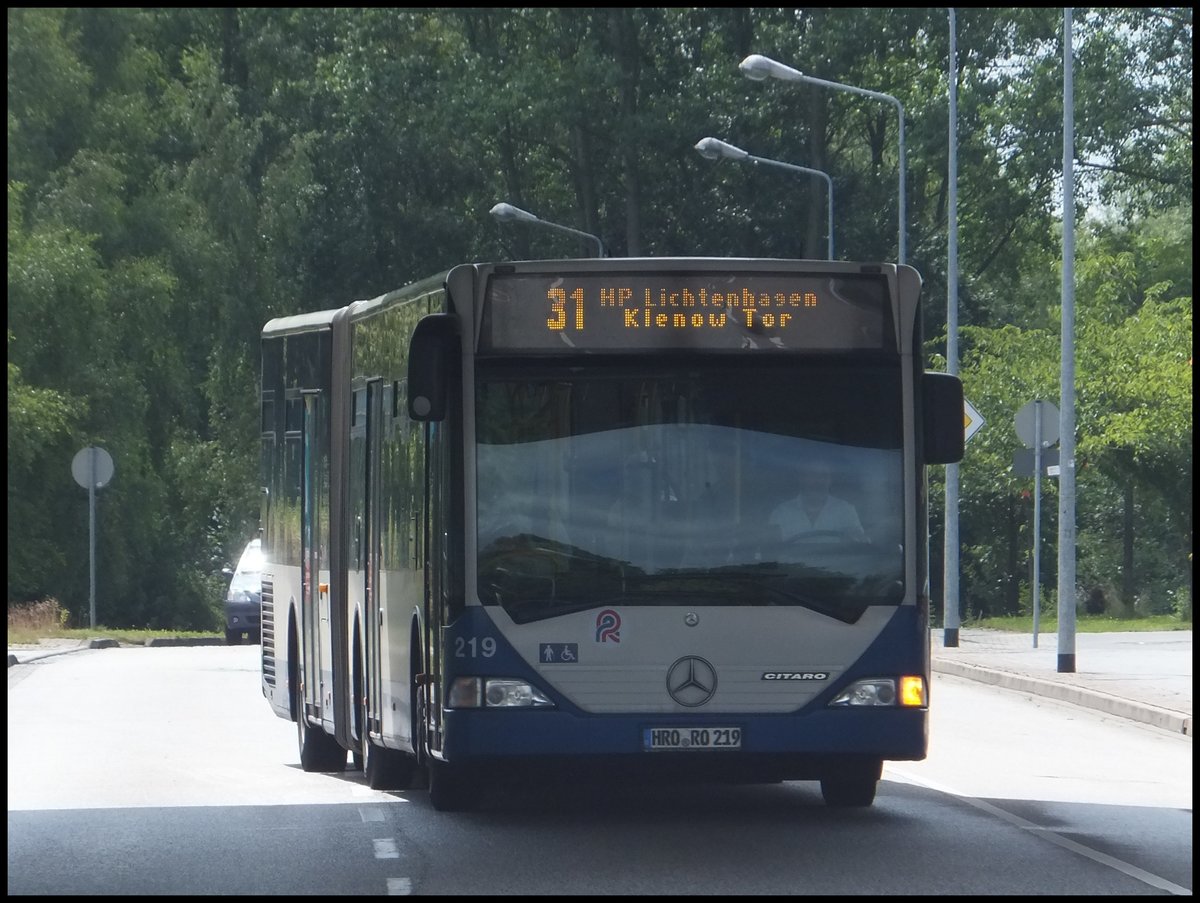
{"points": [[536, 518]]}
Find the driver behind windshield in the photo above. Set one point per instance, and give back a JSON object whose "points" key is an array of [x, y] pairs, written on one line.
{"points": [[815, 513]]}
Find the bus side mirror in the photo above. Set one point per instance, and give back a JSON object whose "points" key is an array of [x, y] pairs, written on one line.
{"points": [[430, 353], [944, 418]]}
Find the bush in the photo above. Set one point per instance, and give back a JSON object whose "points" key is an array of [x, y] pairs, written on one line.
{"points": [[1181, 603], [30, 620]]}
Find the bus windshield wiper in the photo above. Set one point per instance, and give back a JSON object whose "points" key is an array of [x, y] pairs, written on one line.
{"points": [[843, 608], [531, 608]]}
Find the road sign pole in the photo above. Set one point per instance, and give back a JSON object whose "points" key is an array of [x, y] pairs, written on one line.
{"points": [[92, 468], [1037, 516], [952, 617], [92, 546], [1037, 434]]}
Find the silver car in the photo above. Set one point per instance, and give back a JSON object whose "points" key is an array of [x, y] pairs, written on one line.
{"points": [[243, 602]]}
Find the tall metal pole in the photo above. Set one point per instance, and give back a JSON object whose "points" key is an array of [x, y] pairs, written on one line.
{"points": [[1066, 429], [950, 556], [758, 67]]}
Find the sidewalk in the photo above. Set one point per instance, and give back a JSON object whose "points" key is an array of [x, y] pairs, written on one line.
{"points": [[31, 652], [1145, 677]]}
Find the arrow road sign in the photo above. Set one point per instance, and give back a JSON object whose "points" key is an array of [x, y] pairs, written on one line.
{"points": [[972, 420]]}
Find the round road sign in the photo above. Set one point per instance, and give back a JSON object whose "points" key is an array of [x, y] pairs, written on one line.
{"points": [[92, 467], [1027, 423]]}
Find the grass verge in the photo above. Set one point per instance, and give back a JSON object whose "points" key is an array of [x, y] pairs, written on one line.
{"points": [[1084, 624], [46, 619]]}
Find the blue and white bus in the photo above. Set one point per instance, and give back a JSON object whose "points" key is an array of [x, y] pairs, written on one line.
{"points": [[558, 516]]}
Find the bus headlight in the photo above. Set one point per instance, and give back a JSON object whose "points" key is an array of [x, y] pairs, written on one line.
{"points": [[907, 692], [494, 693]]}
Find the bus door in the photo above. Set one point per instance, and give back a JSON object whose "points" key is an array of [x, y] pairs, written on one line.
{"points": [[309, 667], [437, 521], [373, 522]]}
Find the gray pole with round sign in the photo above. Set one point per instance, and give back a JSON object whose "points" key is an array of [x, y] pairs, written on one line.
{"points": [[1037, 426], [92, 468]]}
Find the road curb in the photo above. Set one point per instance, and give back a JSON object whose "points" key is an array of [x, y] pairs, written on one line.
{"points": [[1176, 722], [35, 654], [26, 656]]}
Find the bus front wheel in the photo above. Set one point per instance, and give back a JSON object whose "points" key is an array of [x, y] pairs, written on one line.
{"points": [[451, 788], [853, 785]]}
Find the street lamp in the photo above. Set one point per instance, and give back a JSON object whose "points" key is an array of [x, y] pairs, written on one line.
{"points": [[758, 68], [715, 149], [950, 558], [507, 213]]}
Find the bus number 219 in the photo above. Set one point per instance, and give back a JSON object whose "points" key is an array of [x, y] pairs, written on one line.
{"points": [[474, 647]]}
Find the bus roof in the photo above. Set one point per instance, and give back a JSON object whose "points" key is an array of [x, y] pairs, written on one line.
{"points": [[323, 319], [299, 323]]}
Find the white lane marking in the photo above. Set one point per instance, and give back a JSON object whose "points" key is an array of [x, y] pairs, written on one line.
{"points": [[372, 814], [1054, 837], [385, 848], [399, 887]]}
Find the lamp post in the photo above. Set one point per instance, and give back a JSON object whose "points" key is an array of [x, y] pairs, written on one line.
{"points": [[507, 213], [1066, 420], [715, 149], [951, 618], [759, 68]]}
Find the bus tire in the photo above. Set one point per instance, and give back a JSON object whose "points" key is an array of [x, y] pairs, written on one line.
{"points": [[233, 637], [384, 769], [852, 786], [387, 769], [451, 788], [318, 750]]}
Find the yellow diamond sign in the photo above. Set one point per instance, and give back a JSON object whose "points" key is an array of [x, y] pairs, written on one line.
{"points": [[972, 420]]}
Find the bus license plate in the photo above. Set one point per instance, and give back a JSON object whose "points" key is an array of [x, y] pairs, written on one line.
{"points": [[655, 739]]}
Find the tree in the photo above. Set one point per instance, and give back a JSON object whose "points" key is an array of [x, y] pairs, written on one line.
{"points": [[178, 176]]}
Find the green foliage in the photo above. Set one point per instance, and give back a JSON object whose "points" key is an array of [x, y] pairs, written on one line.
{"points": [[178, 176], [1133, 348]]}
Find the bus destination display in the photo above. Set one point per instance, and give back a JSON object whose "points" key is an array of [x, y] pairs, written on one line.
{"points": [[554, 312]]}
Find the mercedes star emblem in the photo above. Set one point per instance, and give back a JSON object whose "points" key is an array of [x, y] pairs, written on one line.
{"points": [[692, 681]]}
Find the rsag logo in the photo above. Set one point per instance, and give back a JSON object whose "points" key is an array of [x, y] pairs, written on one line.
{"points": [[608, 626]]}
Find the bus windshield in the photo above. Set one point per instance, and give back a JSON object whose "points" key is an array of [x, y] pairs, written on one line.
{"points": [[745, 482]]}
